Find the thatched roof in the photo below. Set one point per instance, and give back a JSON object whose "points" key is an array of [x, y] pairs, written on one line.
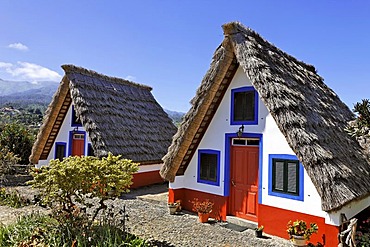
{"points": [[120, 116], [308, 113]]}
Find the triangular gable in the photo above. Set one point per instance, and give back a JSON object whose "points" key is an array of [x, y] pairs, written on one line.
{"points": [[309, 114], [120, 116]]}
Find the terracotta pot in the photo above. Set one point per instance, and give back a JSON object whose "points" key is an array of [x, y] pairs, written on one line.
{"points": [[298, 240], [203, 218], [172, 209]]}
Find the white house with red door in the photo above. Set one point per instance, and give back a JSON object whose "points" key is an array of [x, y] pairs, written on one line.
{"points": [[93, 114], [265, 140]]}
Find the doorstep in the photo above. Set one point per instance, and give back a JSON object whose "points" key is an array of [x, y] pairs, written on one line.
{"points": [[241, 222]]}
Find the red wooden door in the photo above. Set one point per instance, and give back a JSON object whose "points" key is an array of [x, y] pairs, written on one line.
{"points": [[244, 182], [78, 144]]}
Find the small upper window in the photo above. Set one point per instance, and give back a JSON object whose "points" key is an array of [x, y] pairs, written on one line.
{"points": [[90, 150], [208, 166], [244, 106], [75, 120]]}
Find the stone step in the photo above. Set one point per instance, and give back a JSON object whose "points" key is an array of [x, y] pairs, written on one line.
{"points": [[241, 222]]}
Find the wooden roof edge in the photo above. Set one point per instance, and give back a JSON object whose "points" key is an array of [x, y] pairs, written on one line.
{"points": [[49, 119], [186, 131]]}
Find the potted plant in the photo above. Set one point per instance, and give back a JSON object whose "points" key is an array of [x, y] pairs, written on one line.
{"points": [[203, 208], [259, 231], [299, 233]]}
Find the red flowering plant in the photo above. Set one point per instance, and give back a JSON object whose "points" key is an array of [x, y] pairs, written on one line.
{"points": [[363, 232], [203, 207], [299, 228]]}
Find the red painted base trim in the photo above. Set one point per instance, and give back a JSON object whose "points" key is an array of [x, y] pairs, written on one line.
{"points": [[186, 196], [146, 178], [273, 219]]}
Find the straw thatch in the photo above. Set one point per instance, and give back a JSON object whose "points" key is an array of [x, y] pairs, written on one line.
{"points": [[119, 116], [308, 113]]}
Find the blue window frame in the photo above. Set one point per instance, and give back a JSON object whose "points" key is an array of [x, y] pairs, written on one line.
{"points": [[285, 177], [244, 106], [75, 121], [60, 150], [208, 166]]}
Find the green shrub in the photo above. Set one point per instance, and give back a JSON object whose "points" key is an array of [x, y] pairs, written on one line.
{"points": [[7, 162], [12, 199], [75, 179], [18, 139]]}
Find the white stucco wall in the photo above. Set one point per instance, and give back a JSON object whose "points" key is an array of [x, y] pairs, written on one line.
{"points": [[63, 136], [273, 143]]}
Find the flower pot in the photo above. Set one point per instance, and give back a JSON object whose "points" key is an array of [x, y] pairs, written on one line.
{"points": [[258, 233], [203, 217], [298, 240], [172, 209]]}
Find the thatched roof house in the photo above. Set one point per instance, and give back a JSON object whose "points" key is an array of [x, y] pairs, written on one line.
{"points": [[308, 113], [119, 116]]}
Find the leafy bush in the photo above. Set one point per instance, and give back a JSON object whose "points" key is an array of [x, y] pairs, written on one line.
{"points": [[361, 125], [12, 199], [7, 162], [16, 138], [75, 179]]}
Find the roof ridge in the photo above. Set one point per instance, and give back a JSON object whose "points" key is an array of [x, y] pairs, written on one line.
{"points": [[235, 27], [70, 68]]}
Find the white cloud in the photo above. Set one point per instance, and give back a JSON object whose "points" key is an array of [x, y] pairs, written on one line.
{"points": [[130, 78], [29, 71], [18, 46], [4, 65]]}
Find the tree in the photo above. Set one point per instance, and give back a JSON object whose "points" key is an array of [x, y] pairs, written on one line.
{"points": [[361, 125], [77, 178], [18, 139], [7, 162]]}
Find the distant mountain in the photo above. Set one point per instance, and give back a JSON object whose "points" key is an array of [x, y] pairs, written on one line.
{"points": [[10, 87], [175, 116], [23, 93]]}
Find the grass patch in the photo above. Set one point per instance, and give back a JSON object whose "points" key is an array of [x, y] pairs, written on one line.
{"points": [[43, 230], [12, 199]]}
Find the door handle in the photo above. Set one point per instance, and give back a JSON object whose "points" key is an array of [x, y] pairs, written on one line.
{"points": [[232, 182]]}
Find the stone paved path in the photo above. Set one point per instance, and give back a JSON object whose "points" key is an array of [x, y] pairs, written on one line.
{"points": [[149, 219]]}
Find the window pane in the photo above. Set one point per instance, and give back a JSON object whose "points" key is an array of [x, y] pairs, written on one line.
{"points": [[60, 151], [279, 175], [90, 150], [244, 106], [203, 171], [249, 111], [292, 177], [208, 167]]}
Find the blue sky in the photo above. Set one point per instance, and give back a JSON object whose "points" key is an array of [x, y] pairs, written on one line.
{"points": [[168, 45]]}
